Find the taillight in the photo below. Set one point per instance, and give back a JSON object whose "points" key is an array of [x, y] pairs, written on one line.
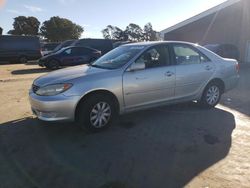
{"points": [[237, 67]]}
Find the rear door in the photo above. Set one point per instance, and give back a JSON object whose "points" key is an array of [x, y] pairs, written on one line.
{"points": [[193, 70], [152, 85]]}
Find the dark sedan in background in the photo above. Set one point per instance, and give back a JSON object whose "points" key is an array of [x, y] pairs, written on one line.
{"points": [[70, 56]]}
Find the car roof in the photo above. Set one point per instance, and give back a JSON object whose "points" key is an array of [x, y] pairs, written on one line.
{"points": [[153, 43]]}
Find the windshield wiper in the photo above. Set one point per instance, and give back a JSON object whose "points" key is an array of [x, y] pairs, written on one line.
{"points": [[97, 66], [100, 67]]}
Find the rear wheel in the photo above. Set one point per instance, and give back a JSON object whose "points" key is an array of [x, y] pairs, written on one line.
{"points": [[96, 112], [211, 95], [53, 64]]}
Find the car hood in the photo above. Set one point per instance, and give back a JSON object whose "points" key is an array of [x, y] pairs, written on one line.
{"points": [[66, 75], [47, 56]]}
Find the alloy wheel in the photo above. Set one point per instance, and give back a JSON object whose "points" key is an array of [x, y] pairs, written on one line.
{"points": [[213, 95], [100, 114]]}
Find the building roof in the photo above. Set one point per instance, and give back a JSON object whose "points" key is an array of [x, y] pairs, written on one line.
{"points": [[200, 16]]}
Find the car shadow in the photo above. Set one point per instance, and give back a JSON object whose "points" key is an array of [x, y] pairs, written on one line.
{"points": [[32, 63], [29, 71], [162, 147], [16, 62]]}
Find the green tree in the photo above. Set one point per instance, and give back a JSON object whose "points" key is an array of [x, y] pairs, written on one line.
{"points": [[25, 26], [1, 31], [135, 32], [114, 33], [58, 29], [149, 33]]}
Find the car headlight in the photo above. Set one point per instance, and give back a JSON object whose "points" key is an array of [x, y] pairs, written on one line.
{"points": [[54, 89]]}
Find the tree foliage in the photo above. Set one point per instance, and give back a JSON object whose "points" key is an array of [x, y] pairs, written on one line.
{"points": [[1, 31], [25, 26], [114, 33], [149, 33], [133, 32], [58, 29]]}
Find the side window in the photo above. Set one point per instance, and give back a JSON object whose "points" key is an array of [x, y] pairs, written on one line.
{"points": [[78, 51], [155, 57], [68, 51], [86, 51], [185, 55]]}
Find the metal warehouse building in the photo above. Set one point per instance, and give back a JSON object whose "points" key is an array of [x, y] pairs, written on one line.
{"points": [[227, 23]]}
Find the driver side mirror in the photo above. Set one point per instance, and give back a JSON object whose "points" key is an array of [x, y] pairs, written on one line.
{"points": [[136, 66]]}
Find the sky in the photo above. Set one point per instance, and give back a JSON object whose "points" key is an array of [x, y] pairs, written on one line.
{"points": [[95, 15]]}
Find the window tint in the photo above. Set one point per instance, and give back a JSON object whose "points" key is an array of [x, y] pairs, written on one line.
{"points": [[155, 57], [68, 51], [185, 55], [86, 50]]}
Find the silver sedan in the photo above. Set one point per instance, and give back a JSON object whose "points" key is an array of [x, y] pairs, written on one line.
{"points": [[133, 77]]}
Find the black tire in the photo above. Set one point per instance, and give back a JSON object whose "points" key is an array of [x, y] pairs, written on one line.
{"points": [[211, 95], [53, 64], [86, 111], [22, 60]]}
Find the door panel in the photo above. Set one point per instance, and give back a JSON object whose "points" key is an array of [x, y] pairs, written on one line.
{"points": [[191, 78], [148, 86], [193, 70], [153, 84]]}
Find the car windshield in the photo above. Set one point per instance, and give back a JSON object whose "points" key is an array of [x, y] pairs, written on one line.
{"points": [[118, 57]]}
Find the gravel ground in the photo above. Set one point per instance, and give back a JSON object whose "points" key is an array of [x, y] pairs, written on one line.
{"points": [[174, 146]]}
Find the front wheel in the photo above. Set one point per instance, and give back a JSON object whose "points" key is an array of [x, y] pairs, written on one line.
{"points": [[53, 64], [211, 95], [96, 113]]}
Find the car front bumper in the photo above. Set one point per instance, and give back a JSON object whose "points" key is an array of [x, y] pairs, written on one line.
{"points": [[41, 63], [53, 108]]}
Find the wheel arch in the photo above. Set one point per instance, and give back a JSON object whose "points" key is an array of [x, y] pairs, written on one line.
{"points": [[96, 92], [218, 81]]}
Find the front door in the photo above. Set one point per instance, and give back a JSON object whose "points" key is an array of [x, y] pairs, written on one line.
{"points": [[68, 57], [153, 84]]}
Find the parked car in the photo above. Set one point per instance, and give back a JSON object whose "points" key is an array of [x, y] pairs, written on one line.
{"points": [[224, 50], [64, 44], [120, 43], [104, 45], [48, 48], [19, 48], [133, 77], [69, 56]]}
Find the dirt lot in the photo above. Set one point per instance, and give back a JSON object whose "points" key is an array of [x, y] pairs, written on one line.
{"points": [[175, 146]]}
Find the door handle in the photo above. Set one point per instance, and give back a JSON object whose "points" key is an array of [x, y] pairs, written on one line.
{"points": [[169, 74]]}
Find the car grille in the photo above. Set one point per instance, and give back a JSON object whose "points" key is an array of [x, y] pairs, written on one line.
{"points": [[35, 88]]}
